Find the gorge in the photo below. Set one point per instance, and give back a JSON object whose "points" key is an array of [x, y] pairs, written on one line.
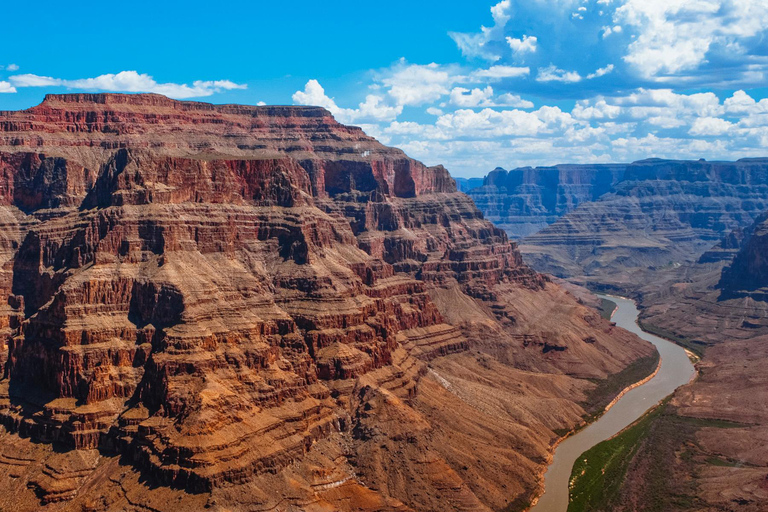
{"points": [[249, 308], [686, 239]]}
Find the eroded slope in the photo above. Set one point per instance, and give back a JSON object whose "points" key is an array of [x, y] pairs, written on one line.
{"points": [[267, 309]]}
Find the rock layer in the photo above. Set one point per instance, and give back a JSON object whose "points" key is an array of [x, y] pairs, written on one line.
{"points": [[717, 307], [661, 213], [525, 200], [245, 302]]}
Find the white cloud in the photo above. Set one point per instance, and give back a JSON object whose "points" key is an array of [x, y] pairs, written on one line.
{"points": [[462, 97], [600, 72], [314, 94], [415, 84], [600, 110], [608, 30], [499, 72], [521, 46], [513, 100], [476, 45], [743, 103], [710, 126], [553, 74], [374, 108], [434, 111], [5, 87], [11, 67], [675, 37], [666, 121], [489, 123], [128, 81]]}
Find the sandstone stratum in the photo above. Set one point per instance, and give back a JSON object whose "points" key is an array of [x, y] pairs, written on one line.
{"points": [[258, 308], [616, 225]]}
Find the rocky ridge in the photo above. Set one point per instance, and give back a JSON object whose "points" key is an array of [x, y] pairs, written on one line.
{"points": [[525, 200], [662, 213], [720, 421], [260, 305]]}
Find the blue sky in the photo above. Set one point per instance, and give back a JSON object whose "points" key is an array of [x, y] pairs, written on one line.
{"points": [[472, 85]]}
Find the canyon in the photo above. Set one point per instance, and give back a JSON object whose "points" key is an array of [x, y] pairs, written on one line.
{"points": [[258, 308], [605, 224], [704, 450], [688, 240]]}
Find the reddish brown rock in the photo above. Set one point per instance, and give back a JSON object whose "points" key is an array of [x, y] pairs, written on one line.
{"points": [[246, 302]]}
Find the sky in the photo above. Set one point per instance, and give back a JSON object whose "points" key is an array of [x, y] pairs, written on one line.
{"points": [[471, 85]]}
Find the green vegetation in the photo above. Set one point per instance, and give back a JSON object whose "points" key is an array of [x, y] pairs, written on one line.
{"points": [[607, 389], [606, 308], [521, 504], [650, 446], [717, 461], [695, 346], [597, 475]]}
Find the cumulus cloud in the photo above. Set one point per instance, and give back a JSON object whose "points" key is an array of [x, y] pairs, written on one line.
{"points": [[128, 81], [462, 97], [513, 100], [521, 46], [414, 84], [553, 74], [680, 37], [373, 109], [6, 87], [314, 94], [743, 103], [710, 126]]}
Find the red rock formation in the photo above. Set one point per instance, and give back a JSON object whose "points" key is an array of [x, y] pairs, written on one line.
{"points": [[212, 290]]}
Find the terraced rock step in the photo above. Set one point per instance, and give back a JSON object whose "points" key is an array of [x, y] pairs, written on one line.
{"points": [[607, 222], [234, 300]]}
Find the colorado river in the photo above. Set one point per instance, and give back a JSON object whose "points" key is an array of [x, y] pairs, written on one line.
{"points": [[676, 370]]}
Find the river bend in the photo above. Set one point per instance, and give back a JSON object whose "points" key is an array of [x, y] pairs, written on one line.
{"points": [[676, 370]]}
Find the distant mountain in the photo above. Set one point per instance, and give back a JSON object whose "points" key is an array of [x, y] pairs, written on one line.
{"points": [[523, 201], [467, 184], [599, 221]]}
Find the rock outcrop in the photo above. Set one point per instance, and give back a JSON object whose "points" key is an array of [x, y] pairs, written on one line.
{"points": [[525, 200], [662, 213], [747, 275], [265, 307], [717, 307]]}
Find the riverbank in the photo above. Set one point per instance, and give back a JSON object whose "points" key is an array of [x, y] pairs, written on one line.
{"points": [[672, 370], [586, 423]]}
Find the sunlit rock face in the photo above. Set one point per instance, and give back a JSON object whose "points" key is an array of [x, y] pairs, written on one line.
{"points": [[214, 291]]}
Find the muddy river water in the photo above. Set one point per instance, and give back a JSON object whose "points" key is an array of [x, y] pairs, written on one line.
{"points": [[676, 370]]}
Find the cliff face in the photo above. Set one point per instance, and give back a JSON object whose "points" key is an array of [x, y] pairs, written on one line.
{"points": [[661, 213], [718, 307], [261, 304], [525, 200], [747, 275]]}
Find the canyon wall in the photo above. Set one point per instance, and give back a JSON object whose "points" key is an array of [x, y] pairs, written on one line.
{"points": [[525, 200], [259, 307], [607, 223]]}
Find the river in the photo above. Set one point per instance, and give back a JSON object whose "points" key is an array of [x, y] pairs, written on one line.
{"points": [[676, 370]]}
